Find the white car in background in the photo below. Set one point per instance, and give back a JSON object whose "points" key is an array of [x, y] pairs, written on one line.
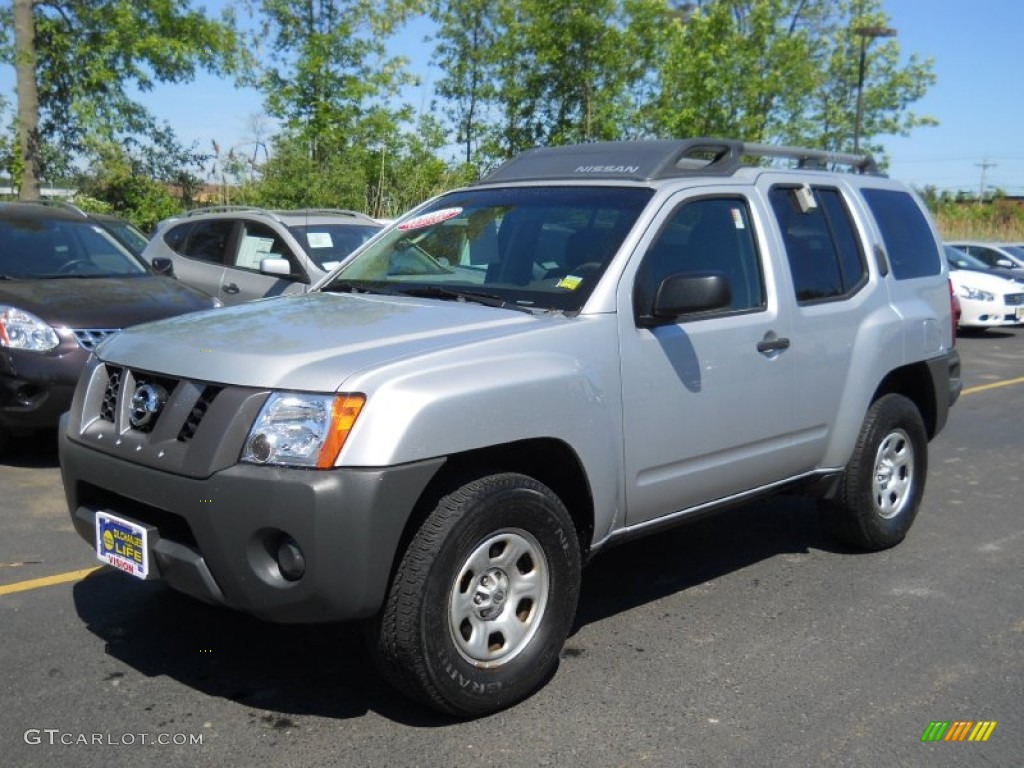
{"points": [[987, 300], [996, 255]]}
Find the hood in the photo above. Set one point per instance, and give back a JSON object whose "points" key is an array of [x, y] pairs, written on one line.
{"points": [[310, 342], [109, 302], [986, 280]]}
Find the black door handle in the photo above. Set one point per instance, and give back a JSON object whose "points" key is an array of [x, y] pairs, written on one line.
{"points": [[772, 345], [230, 288]]}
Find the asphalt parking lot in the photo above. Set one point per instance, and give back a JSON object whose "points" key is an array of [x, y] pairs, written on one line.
{"points": [[744, 639]]}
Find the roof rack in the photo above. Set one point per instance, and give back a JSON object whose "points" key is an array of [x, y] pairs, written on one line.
{"points": [[663, 159]]}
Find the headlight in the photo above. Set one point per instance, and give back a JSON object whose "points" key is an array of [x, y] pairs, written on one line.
{"points": [[976, 293], [302, 430], [23, 330]]}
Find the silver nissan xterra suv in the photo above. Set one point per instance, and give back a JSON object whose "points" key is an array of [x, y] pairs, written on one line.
{"points": [[591, 344]]}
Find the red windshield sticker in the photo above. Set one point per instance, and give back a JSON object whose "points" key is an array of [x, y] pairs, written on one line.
{"points": [[429, 219]]}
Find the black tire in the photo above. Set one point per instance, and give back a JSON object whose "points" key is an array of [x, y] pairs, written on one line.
{"points": [[483, 598], [881, 489]]}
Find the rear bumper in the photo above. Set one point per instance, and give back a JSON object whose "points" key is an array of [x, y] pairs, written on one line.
{"points": [[216, 538], [947, 383]]}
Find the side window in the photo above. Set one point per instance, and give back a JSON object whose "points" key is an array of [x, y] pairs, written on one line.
{"points": [[710, 235], [175, 237], [257, 242], [208, 240], [908, 238], [824, 254]]}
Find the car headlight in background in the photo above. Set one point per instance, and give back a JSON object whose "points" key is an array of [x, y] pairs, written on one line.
{"points": [[976, 293], [302, 430], [23, 330]]}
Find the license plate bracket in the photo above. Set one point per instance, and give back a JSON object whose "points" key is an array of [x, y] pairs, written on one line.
{"points": [[123, 544]]}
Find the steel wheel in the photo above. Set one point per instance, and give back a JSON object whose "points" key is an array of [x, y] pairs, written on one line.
{"points": [[894, 474], [498, 598]]}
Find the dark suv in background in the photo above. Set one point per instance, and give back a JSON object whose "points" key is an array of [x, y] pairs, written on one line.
{"points": [[66, 283]]}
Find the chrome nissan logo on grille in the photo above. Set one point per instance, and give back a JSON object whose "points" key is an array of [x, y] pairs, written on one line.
{"points": [[147, 401]]}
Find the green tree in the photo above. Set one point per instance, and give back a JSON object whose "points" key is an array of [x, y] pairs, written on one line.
{"points": [[465, 42], [738, 68], [326, 74], [519, 73], [785, 71], [889, 87], [82, 56]]}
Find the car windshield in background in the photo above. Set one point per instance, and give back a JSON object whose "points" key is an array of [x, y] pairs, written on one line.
{"points": [[328, 244], [959, 260], [124, 231], [530, 247], [35, 248]]}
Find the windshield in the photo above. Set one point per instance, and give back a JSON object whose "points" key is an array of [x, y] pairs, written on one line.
{"points": [[1016, 251], [959, 260], [126, 232], [328, 244], [529, 247], [33, 248]]}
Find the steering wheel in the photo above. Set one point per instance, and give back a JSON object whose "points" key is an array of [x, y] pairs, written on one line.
{"points": [[72, 266]]}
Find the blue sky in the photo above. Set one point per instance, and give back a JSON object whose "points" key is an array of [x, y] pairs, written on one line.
{"points": [[978, 98]]}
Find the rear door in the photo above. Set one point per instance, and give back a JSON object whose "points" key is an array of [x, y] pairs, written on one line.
{"points": [[707, 399], [203, 253]]}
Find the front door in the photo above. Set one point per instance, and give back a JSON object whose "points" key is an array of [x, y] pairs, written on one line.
{"points": [[707, 399]]}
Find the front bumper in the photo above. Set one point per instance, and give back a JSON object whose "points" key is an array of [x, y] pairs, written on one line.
{"points": [[35, 389], [214, 538]]}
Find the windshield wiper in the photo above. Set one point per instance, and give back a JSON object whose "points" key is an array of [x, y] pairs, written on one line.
{"points": [[356, 286], [439, 292]]}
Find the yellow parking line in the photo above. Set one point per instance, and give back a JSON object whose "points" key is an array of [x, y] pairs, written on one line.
{"points": [[46, 581], [993, 385]]}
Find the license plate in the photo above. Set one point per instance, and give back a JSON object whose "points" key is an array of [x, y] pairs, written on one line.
{"points": [[122, 544]]}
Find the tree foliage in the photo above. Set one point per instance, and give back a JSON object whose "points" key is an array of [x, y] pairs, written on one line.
{"points": [[90, 54]]}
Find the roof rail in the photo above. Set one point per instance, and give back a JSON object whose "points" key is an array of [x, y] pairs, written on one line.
{"points": [[662, 159], [321, 212], [222, 209], [62, 204]]}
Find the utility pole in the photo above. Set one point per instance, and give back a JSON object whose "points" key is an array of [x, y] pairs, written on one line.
{"points": [[984, 165]]}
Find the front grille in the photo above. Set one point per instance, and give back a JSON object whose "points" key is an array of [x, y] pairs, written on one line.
{"points": [[202, 405], [88, 338], [1014, 299], [108, 408]]}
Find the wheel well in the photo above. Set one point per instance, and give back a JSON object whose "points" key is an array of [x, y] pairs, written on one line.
{"points": [[547, 460], [915, 383]]}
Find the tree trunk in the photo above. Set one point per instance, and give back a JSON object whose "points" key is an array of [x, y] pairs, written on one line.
{"points": [[28, 99]]}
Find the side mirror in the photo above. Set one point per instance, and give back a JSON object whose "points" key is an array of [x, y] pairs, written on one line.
{"points": [[1004, 263], [689, 293], [163, 266], [275, 266]]}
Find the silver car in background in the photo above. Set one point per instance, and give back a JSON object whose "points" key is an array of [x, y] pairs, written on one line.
{"points": [[238, 254]]}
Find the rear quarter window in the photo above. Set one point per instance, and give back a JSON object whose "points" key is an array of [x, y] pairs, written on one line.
{"points": [[908, 239]]}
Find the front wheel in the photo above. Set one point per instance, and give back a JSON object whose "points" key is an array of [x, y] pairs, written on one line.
{"points": [[483, 598], [881, 489]]}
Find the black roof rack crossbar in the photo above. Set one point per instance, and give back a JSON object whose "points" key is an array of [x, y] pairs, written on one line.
{"points": [[661, 159]]}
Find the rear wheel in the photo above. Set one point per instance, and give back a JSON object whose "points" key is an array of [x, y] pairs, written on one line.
{"points": [[484, 597], [881, 489]]}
